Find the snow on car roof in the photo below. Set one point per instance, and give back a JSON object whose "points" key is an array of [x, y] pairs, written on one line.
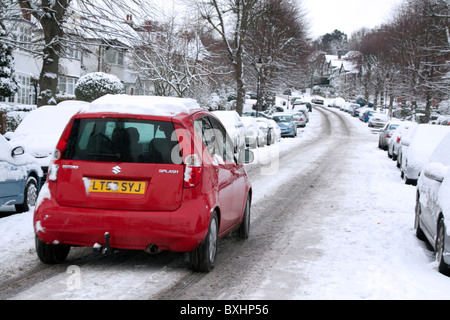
{"points": [[145, 105]]}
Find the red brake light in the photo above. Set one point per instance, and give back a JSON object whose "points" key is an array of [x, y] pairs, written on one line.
{"points": [[193, 165]]}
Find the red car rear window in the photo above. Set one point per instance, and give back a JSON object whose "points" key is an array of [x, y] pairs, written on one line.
{"points": [[122, 140]]}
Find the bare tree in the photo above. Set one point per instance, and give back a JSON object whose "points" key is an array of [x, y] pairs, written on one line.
{"points": [[65, 22], [279, 37], [231, 20]]}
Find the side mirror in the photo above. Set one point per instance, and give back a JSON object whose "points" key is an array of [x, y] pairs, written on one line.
{"points": [[17, 151], [435, 171]]}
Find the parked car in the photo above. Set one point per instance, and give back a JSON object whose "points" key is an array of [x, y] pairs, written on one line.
{"points": [[299, 119], [317, 101], [235, 128], [378, 120], [433, 206], [301, 105], [367, 115], [420, 147], [20, 177], [40, 130], [394, 141], [264, 127], [254, 137], [143, 173], [276, 131], [354, 109], [386, 134], [286, 123]]}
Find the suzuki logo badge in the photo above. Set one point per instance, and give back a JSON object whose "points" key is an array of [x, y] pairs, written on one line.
{"points": [[116, 170]]}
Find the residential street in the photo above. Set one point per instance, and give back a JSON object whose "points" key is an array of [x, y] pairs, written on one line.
{"points": [[334, 221]]}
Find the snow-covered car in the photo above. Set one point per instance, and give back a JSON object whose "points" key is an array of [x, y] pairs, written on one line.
{"points": [[286, 123], [353, 109], [20, 177], [266, 129], [40, 130], [378, 120], [301, 104], [394, 141], [367, 115], [254, 137], [235, 128], [276, 131], [433, 204], [299, 119], [420, 147], [386, 134], [143, 173], [317, 101]]}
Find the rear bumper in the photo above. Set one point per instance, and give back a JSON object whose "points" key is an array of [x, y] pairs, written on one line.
{"points": [[181, 230]]}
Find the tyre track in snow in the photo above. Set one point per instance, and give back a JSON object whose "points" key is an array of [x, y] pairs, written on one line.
{"points": [[241, 265]]}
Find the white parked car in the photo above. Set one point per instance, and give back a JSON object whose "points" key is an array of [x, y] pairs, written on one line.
{"points": [[254, 137], [433, 204], [394, 141], [420, 147], [235, 128], [40, 130], [276, 131]]}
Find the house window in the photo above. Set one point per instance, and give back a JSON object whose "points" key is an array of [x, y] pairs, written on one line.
{"points": [[66, 85], [72, 52], [26, 90], [114, 56]]}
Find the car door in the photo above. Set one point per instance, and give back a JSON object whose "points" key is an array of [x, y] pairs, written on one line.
{"points": [[231, 175], [13, 176]]}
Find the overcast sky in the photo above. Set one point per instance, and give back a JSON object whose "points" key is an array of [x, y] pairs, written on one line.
{"points": [[347, 15]]}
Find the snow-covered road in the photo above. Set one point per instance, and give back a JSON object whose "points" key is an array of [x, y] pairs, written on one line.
{"points": [[331, 219]]}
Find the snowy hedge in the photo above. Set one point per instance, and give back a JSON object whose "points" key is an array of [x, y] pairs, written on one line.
{"points": [[97, 84]]}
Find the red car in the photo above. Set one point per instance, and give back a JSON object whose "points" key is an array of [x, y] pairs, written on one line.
{"points": [[146, 173]]}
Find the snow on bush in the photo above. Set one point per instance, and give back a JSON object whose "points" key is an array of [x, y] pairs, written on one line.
{"points": [[97, 84]]}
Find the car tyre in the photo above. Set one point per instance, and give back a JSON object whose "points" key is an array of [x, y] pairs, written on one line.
{"points": [[419, 232], [50, 253], [203, 259], [30, 196], [244, 227], [440, 239]]}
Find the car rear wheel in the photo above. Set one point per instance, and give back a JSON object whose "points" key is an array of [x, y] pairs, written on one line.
{"points": [[203, 259], [50, 253], [244, 228], [30, 196], [442, 266]]}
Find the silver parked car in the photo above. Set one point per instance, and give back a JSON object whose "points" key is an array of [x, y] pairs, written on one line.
{"points": [[394, 141], [433, 204], [235, 128], [386, 133], [254, 137]]}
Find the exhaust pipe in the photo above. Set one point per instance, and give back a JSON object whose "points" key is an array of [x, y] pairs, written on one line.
{"points": [[152, 249]]}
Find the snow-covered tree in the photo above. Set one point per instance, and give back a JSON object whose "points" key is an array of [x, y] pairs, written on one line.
{"points": [[231, 20], [97, 84], [68, 22], [8, 80]]}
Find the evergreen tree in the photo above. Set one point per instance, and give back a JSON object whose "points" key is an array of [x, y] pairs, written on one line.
{"points": [[8, 81]]}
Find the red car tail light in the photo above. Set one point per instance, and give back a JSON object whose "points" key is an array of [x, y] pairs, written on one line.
{"points": [[193, 170], [60, 147], [192, 161]]}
